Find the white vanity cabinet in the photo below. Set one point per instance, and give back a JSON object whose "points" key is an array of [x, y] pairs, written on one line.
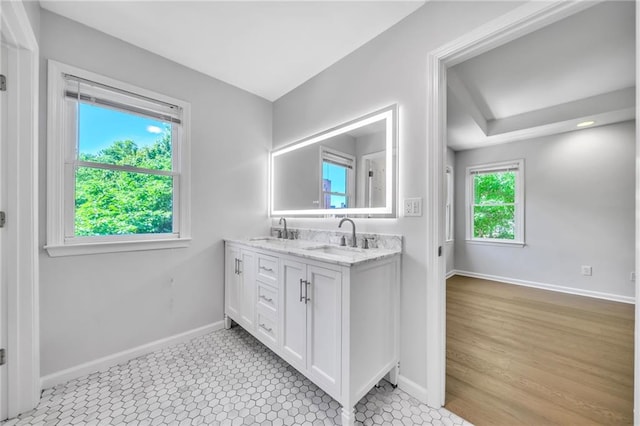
{"points": [[337, 322], [311, 322], [240, 286]]}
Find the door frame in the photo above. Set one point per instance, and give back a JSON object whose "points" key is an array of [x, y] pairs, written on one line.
{"points": [[23, 339], [525, 19]]}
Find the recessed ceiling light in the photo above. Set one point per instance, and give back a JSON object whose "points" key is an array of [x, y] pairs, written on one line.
{"points": [[586, 123]]}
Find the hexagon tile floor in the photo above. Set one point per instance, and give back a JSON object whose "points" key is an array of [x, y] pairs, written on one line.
{"points": [[224, 378]]}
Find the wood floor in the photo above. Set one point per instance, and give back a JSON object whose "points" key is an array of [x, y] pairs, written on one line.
{"points": [[523, 356]]}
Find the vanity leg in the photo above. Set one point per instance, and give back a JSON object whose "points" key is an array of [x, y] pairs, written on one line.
{"points": [[393, 375], [348, 416], [227, 322]]}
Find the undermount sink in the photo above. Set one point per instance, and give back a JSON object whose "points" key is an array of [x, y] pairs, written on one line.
{"points": [[272, 240], [323, 251], [336, 250], [281, 242]]}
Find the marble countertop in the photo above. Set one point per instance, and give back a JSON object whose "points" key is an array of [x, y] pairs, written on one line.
{"points": [[331, 253]]}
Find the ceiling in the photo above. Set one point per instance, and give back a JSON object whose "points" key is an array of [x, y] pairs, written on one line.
{"points": [[265, 47], [580, 68]]}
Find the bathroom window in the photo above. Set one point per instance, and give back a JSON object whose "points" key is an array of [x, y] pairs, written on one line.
{"points": [[337, 180], [118, 166], [495, 202]]}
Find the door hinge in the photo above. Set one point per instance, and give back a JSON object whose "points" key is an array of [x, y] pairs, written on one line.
{"points": [[3, 83], [439, 251], [3, 219], [3, 356]]}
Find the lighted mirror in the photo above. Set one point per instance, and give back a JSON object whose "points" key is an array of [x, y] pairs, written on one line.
{"points": [[347, 170]]}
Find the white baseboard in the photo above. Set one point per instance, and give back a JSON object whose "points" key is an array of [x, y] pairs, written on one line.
{"points": [[412, 388], [106, 362], [450, 274], [551, 287]]}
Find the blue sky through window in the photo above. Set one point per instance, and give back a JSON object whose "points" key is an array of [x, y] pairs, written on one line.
{"points": [[100, 127], [335, 177]]}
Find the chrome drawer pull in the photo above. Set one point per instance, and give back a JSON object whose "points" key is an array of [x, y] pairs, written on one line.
{"points": [[269, 330], [268, 299], [264, 268]]}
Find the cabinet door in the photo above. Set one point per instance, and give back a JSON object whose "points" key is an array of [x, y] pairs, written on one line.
{"points": [[294, 314], [231, 282], [323, 327], [247, 289]]}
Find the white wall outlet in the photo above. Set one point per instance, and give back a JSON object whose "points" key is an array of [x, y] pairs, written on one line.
{"points": [[412, 206], [407, 207], [586, 270]]}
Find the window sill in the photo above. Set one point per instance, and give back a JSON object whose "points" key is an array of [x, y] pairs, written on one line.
{"points": [[497, 243], [114, 247]]}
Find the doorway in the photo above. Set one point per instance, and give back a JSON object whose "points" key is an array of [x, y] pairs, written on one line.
{"points": [[511, 26], [19, 164], [4, 57]]}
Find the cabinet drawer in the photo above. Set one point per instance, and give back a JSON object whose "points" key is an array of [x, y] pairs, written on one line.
{"points": [[267, 297], [267, 327], [268, 268]]}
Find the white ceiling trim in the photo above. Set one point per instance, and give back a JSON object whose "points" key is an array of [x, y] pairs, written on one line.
{"points": [[608, 108], [622, 101]]}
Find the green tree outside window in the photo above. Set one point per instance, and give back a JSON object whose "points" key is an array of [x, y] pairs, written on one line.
{"points": [[113, 202], [494, 208]]}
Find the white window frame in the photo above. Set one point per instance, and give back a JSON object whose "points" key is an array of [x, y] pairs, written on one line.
{"points": [[449, 205], [61, 162], [342, 159], [518, 167]]}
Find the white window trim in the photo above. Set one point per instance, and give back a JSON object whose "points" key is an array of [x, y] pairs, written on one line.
{"points": [[57, 244], [519, 240], [450, 204]]}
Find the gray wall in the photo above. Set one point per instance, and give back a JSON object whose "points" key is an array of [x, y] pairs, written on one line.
{"points": [[32, 8], [579, 210], [390, 69], [97, 305]]}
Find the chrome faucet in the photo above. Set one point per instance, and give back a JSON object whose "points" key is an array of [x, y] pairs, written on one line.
{"points": [[354, 242], [285, 233]]}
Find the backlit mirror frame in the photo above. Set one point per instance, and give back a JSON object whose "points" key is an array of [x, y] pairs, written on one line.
{"points": [[390, 117]]}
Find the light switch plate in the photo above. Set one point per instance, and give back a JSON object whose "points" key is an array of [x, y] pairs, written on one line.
{"points": [[412, 206]]}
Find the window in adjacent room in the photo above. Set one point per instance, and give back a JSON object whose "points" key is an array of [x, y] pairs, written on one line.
{"points": [[495, 200], [118, 165], [338, 179], [449, 204]]}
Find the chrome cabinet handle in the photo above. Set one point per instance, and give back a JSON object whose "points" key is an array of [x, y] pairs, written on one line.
{"points": [[236, 266], [268, 329], [264, 268], [306, 292], [239, 265], [301, 297], [268, 299]]}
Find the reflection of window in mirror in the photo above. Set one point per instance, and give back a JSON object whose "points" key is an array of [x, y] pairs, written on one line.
{"points": [[337, 180], [449, 205]]}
